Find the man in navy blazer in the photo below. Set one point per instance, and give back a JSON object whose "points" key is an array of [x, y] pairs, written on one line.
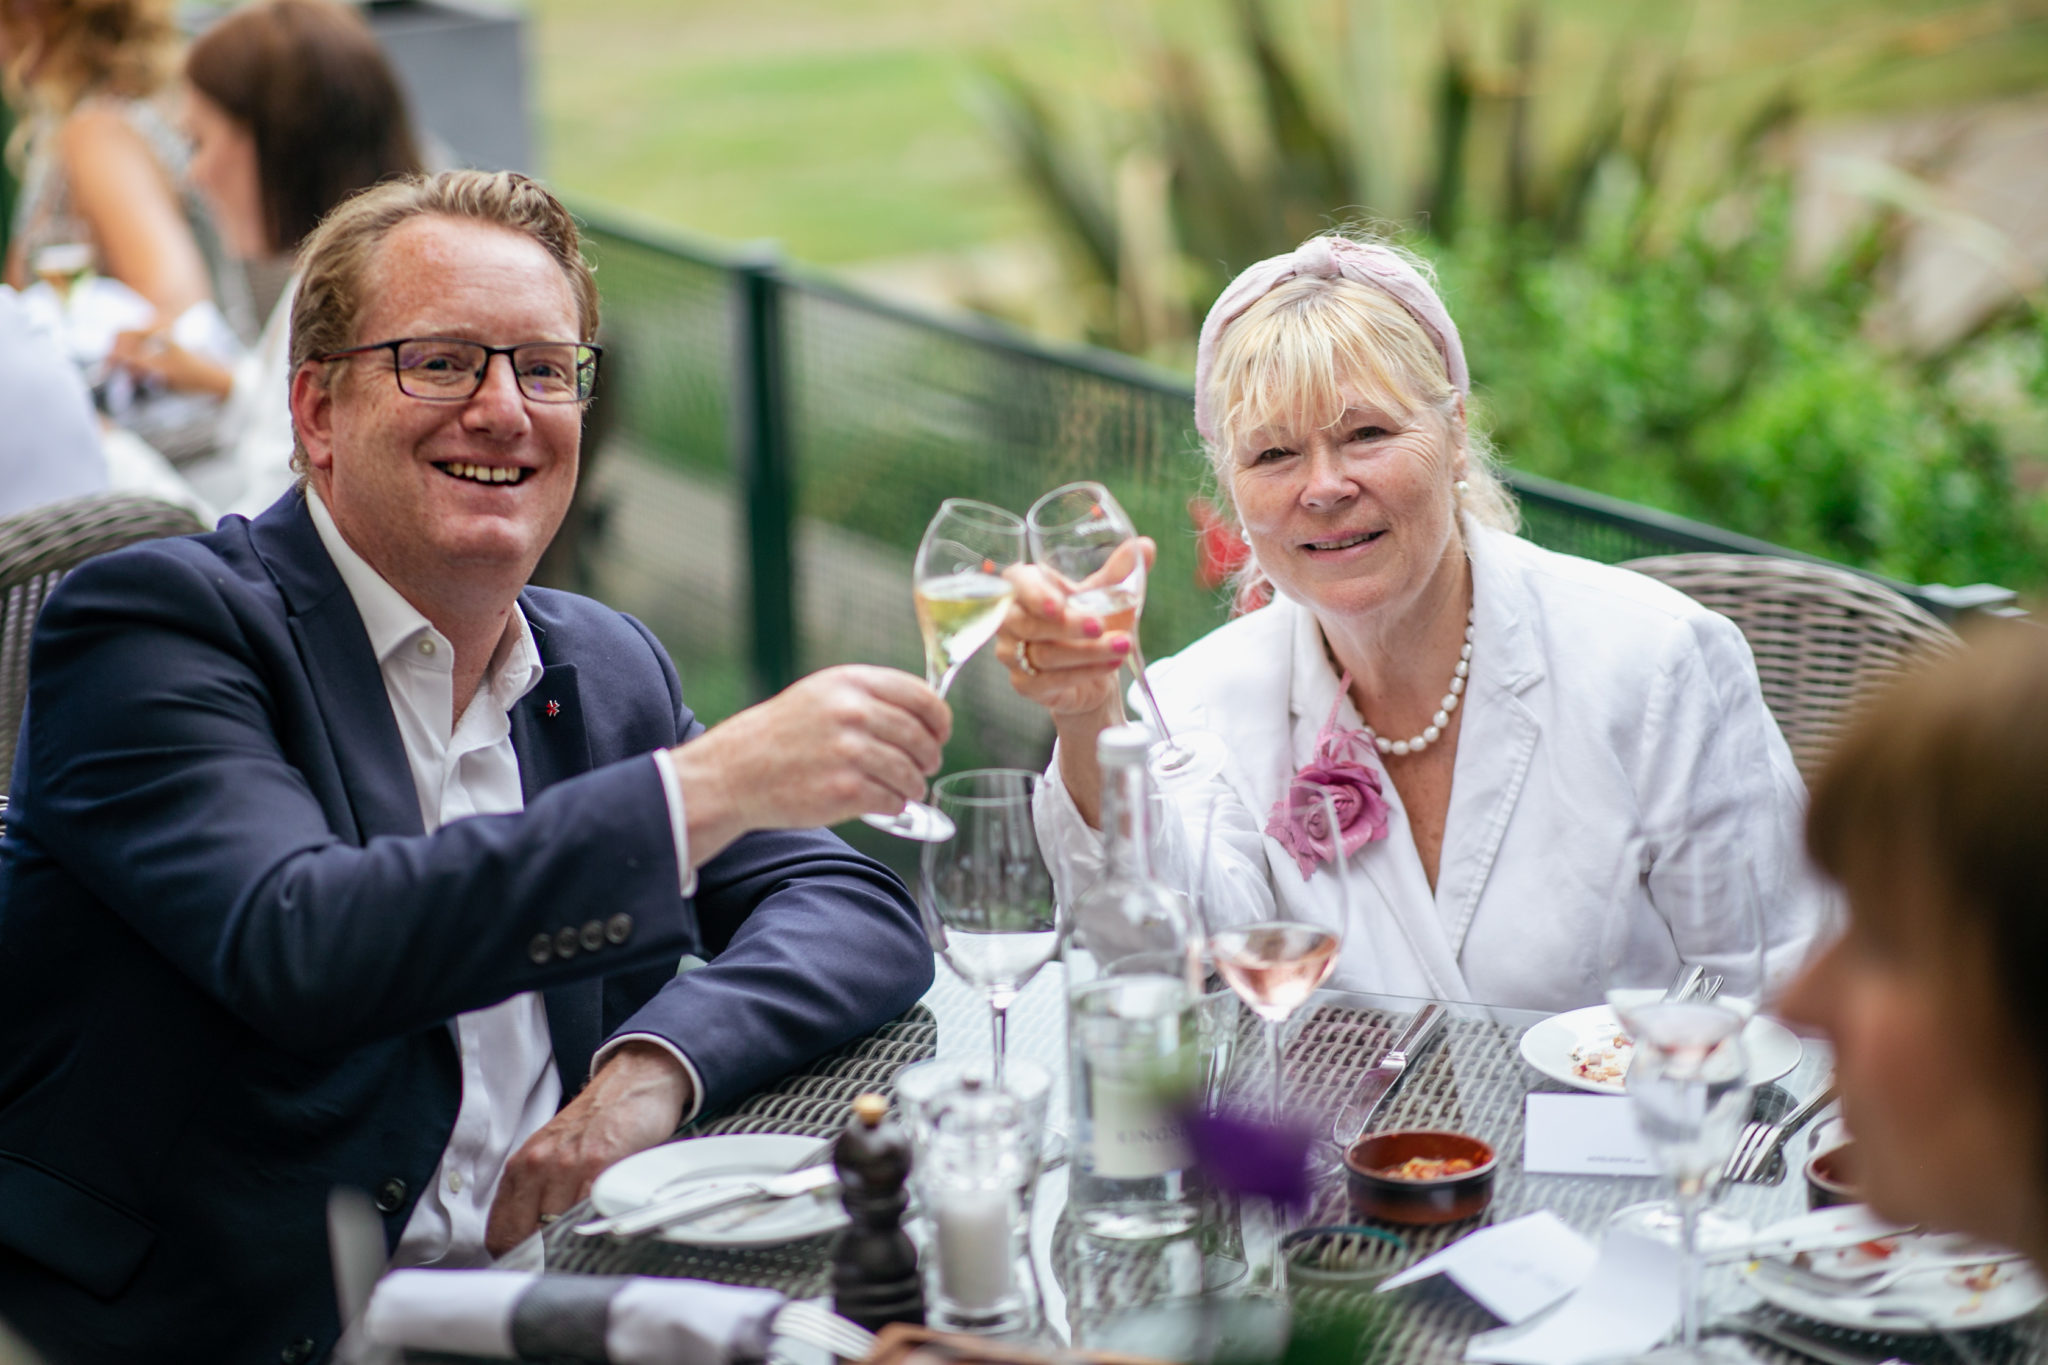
{"points": [[279, 912]]}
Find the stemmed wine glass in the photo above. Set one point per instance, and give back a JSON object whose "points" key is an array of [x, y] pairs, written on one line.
{"points": [[989, 903], [960, 594], [1274, 966], [1688, 1068], [1088, 543]]}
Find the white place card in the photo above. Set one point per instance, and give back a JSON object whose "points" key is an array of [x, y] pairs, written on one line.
{"points": [[1514, 1270], [1626, 1305], [1583, 1135]]}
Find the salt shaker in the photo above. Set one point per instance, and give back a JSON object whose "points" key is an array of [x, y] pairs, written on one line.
{"points": [[976, 1161], [875, 1278]]}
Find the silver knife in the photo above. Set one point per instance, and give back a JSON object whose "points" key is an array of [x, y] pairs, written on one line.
{"points": [[1386, 1074]]}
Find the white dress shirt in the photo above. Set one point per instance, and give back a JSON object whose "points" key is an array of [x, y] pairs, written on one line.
{"points": [[510, 1086], [1614, 757]]}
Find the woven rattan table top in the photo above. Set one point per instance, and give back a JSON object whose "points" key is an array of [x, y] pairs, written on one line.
{"points": [[1474, 1081]]}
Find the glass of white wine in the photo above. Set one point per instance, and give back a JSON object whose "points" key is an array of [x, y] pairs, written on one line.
{"points": [[61, 265], [960, 594], [1085, 539]]}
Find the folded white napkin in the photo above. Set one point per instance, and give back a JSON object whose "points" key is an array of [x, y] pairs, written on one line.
{"points": [[627, 1320]]}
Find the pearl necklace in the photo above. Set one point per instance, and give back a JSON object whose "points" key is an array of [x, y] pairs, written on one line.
{"points": [[1441, 721]]}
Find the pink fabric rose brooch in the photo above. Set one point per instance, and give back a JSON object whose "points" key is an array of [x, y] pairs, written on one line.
{"points": [[1301, 821]]}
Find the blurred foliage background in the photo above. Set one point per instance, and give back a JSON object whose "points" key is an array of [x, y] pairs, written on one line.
{"points": [[1618, 198]]}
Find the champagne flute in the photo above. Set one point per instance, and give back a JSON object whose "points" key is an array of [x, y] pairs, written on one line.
{"points": [[1088, 542], [989, 903], [960, 594], [1688, 1069]]}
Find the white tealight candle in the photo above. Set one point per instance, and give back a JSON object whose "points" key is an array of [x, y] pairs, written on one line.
{"points": [[973, 1230]]}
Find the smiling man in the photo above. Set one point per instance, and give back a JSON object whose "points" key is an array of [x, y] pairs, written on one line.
{"points": [[339, 857]]}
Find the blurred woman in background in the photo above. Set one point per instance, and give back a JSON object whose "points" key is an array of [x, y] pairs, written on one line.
{"points": [[100, 165], [1929, 815], [291, 107]]}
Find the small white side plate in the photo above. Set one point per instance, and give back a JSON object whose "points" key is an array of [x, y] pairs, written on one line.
{"points": [[632, 1183], [2011, 1290], [1547, 1046]]}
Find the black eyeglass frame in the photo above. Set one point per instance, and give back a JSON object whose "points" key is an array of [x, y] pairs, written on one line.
{"points": [[482, 371]]}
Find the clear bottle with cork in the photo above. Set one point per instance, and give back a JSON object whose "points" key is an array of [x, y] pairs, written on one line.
{"points": [[1134, 1040]]}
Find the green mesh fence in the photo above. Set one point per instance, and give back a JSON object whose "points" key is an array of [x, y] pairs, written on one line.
{"points": [[883, 414]]}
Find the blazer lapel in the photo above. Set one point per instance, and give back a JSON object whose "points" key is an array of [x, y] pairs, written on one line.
{"points": [[550, 739], [342, 672], [1499, 735]]}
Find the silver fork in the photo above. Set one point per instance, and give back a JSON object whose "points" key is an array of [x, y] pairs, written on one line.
{"points": [[1761, 1141], [821, 1327]]}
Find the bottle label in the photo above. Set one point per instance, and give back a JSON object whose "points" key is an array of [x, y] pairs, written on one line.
{"points": [[1134, 1135]]}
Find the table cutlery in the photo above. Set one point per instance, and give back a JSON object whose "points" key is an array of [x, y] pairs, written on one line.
{"points": [[1788, 1244], [1875, 1279], [684, 1208], [1793, 1337], [1761, 1142], [815, 1325], [1386, 1074]]}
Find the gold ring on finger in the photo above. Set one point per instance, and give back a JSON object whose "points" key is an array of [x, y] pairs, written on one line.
{"points": [[1024, 664]]}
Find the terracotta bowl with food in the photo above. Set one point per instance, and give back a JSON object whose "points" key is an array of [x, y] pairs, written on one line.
{"points": [[1830, 1177], [1420, 1176]]}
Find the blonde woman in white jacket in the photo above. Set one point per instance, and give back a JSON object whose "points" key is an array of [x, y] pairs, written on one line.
{"points": [[1527, 744]]}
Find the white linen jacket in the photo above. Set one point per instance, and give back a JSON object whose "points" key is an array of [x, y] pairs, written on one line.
{"points": [[1615, 759]]}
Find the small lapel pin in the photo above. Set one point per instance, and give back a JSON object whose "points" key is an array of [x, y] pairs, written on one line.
{"points": [[554, 707]]}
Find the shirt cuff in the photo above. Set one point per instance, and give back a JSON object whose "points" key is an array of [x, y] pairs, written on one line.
{"points": [[672, 788], [689, 1067]]}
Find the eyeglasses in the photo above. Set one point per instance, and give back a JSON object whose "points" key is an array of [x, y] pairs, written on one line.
{"points": [[451, 370]]}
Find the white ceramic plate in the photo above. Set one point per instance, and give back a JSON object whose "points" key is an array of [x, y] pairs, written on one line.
{"points": [[632, 1183], [1773, 1048], [1961, 1298]]}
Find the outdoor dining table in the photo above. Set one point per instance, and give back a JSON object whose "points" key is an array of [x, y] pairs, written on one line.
{"points": [[1473, 1080]]}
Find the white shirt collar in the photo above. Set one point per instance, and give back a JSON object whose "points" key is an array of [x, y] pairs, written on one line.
{"points": [[391, 622]]}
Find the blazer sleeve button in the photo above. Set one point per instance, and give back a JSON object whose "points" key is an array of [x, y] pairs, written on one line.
{"points": [[618, 928], [592, 937], [541, 950], [298, 1353], [391, 1195], [565, 942]]}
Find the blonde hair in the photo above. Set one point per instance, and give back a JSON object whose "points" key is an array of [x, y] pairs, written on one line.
{"points": [[1292, 356], [65, 50], [335, 260]]}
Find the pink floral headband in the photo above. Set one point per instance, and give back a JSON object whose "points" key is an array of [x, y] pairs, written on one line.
{"points": [[1328, 258]]}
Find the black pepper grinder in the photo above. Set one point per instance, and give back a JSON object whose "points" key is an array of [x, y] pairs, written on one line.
{"points": [[874, 1265]]}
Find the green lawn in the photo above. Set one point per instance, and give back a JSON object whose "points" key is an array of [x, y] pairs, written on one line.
{"points": [[844, 127]]}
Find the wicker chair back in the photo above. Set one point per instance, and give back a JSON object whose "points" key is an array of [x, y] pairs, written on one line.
{"points": [[40, 546], [1823, 637]]}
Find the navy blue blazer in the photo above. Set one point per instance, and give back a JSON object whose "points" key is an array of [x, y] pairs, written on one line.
{"points": [[228, 952]]}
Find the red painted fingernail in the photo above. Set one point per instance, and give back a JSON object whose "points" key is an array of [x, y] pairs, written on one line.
{"points": [[1121, 646], [1091, 628]]}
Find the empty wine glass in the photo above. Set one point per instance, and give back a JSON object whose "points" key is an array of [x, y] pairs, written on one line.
{"points": [[1688, 1068], [960, 594], [1088, 543], [988, 896]]}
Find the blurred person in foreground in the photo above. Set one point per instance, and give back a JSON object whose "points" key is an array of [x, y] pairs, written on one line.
{"points": [[1522, 744], [338, 856], [1929, 815], [290, 106], [50, 441]]}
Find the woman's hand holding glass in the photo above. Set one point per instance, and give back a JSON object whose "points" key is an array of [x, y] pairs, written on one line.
{"points": [[1062, 656]]}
